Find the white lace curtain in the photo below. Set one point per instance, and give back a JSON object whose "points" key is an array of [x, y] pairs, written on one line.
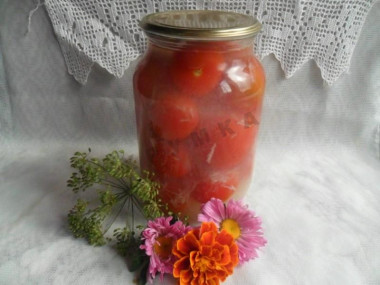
{"points": [[106, 32]]}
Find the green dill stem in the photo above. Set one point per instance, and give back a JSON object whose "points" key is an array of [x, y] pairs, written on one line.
{"points": [[137, 203], [133, 216], [97, 164], [124, 183], [125, 187], [102, 167], [121, 195], [128, 207], [115, 217], [112, 184], [130, 180]]}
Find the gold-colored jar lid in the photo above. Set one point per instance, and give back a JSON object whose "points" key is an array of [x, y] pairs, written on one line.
{"points": [[200, 25]]}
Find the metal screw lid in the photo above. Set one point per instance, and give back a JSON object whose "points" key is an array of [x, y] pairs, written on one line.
{"points": [[200, 25]]}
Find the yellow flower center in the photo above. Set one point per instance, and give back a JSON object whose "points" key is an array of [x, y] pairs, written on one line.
{"points": [[232, 227], [163, 246], [203, 265]]}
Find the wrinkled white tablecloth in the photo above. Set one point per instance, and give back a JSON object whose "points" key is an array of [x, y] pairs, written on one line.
{"points": [[317, 172]]}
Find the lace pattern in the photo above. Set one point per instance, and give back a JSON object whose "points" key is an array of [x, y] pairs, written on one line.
{"points": [[106, 32]]}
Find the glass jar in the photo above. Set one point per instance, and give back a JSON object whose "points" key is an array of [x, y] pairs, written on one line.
{"points": [[198, 96]]}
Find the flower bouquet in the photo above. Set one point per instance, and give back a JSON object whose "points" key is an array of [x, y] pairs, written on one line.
{"points": [[226, 235]]}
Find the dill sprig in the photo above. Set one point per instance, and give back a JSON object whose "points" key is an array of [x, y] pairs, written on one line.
{"points": [[118, 184]]}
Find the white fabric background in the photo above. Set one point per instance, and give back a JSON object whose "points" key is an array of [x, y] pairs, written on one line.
{"points": [[317, 174]]}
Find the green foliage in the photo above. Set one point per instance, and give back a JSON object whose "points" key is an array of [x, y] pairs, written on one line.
{"points": [[118, 184], [129, 246]]}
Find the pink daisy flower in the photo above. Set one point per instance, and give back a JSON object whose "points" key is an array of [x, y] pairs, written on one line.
{"points": [[239, 221], [160, 237]]}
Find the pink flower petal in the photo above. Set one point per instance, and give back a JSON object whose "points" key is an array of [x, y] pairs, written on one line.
{"points": [[161, 227], [214, 211], [250, 238]]}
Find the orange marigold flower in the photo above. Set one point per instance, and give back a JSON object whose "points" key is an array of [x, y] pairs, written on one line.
{"points": [[205, 256]]}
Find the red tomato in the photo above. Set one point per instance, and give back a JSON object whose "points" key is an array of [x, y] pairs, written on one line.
{"points": [[196, 73], [243, 87], [145, 77], [251, 97], [151, 73], [174, 117], [204, 191], [170, 160], [231, 148], [226, 142], [145, 150]]}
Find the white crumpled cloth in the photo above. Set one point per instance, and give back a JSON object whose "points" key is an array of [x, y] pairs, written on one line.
{"points": [[317, 170], [106, 32]]}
